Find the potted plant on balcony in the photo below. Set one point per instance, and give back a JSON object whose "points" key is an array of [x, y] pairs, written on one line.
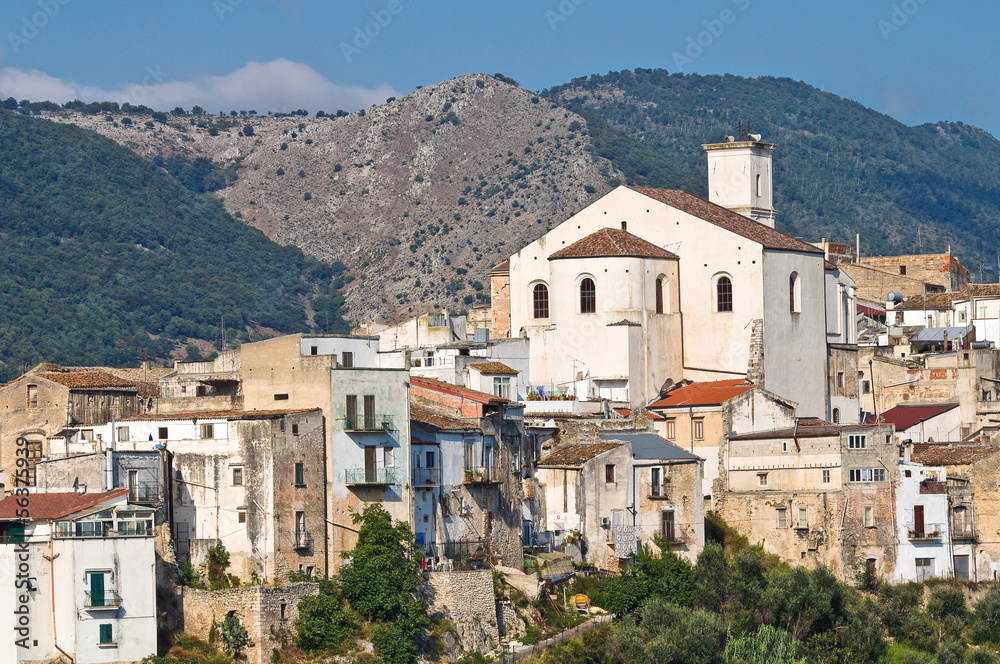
{"points": [[468, 476]]}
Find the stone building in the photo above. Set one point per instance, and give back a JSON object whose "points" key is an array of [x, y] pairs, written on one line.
{"points": [[940, 271], [39, 405], [815, 494], [478, 440], [697, 417], [620, 491]]}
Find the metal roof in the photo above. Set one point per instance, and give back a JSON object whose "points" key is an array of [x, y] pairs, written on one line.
{"points": [[926, 334], [647, 445]]}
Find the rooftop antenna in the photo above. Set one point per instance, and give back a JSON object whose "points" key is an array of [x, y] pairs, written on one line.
{"points": [[744, 127]]}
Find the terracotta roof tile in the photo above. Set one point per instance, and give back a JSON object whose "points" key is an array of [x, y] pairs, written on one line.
{"points": [[624, 323], [927, 301], [218, 415], [943, 454], [652, 415], [45, 506], [727, 219], [610, 242], [458, 390], [73, 378], [711, 393], [576, 454], [905, 417], [440, 421], [502, 268], [493, 368]]}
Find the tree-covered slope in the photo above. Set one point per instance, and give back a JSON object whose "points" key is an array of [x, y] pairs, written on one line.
{"points": [[840, 168], [109, 260]]}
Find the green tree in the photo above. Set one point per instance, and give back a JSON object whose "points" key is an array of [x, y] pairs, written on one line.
{"points": [[234, 636], [325, 624]]}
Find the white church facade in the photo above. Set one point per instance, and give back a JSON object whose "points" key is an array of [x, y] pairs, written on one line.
{"points": [[646, 286]]}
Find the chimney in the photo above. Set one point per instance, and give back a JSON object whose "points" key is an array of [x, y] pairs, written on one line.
{"points": [[740, 176]]}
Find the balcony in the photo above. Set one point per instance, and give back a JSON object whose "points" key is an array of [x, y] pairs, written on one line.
{"points": [[928, 532], [673, 537], [426, 477], [303, 539], [370, 476], [109, 599], [483, 475], [147, 493], [659, 491], [369, 423]]}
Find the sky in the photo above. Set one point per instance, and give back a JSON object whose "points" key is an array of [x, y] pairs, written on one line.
{"points": [[917, 60]]}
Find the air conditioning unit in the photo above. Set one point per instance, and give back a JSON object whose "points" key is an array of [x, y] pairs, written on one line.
{"points": [[605, 523]]}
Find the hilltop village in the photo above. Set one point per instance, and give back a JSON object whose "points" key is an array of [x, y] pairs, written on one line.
{"points": [[654, 358]]}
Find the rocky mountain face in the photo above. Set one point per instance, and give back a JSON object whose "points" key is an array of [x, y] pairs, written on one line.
{"points": [[419, 197]]}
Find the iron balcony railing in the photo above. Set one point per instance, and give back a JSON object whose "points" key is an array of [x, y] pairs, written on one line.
{"points": [[929, 531], [107, 599], [144, 492], [426, 477], [369, 423], [371, 476], [468, 554], [482, 475], [303, 539]]}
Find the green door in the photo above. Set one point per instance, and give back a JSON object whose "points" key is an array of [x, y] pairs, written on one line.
{"points": [[16, 532], [97, 590]]}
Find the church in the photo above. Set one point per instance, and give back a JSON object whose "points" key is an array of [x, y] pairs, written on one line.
{"points": [[647, 287]]}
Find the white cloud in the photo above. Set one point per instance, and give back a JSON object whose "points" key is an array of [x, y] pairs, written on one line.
{"points": [[279, 86]]}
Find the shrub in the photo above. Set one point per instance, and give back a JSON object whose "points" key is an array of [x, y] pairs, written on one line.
{"points": [[324, 624], [218, 563], [280, 171], [234, 636], [284, 146], [248, 130], [307, 196]]}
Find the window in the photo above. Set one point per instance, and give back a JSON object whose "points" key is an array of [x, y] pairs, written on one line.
{"points": [[300, 526], [238, 476], [867, 475], [388, 457], [207, 431], [794, 293], [351, 412], [667, 525], [540, 300], [369, 412], [624, 225], [347, 360], [87, 434], [281, 397], [654, 482], [162, 433], [284, 611], [902, 269], [122, 434], [866, 387], [784, 446], [201, 391], [836, 416], [588, 296], [699, 429], [281, 425], [671, 429], [314, 350], [430, 459], [300, 473], [869, 516], [32, 396], [724, 294], [470, 455], [758, 186], [609, 473], [803, 521], [781, 516], [659, 295], [501, 386], [857, 442], [840, 379], [826, 477], [295, 429], [107, 635], [241, 516], [762, 479]]}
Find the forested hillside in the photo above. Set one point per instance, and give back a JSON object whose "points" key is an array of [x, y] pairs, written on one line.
{"points": [[108, 259], [840, 168]]}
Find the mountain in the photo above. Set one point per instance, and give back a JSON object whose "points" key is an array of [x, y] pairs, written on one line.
{"points": [[840, 168], [419, 197], [110, 260]]}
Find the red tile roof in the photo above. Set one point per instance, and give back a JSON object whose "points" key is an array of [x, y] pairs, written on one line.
{"points": [[502, 268], [927, 301], [905, 417], [217, 415], [45, 506], [711, 393], [943, 454], [727, 219], [576, 455], [440, 421], [493, 368], [74, 378], [610, 242], [457, 390]]}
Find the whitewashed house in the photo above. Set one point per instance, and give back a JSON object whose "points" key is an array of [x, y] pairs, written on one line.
{"points": [[79, 574], [922, 515]]}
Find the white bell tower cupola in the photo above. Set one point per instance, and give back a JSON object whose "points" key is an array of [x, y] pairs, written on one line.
{"points": [[740, 176]]}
